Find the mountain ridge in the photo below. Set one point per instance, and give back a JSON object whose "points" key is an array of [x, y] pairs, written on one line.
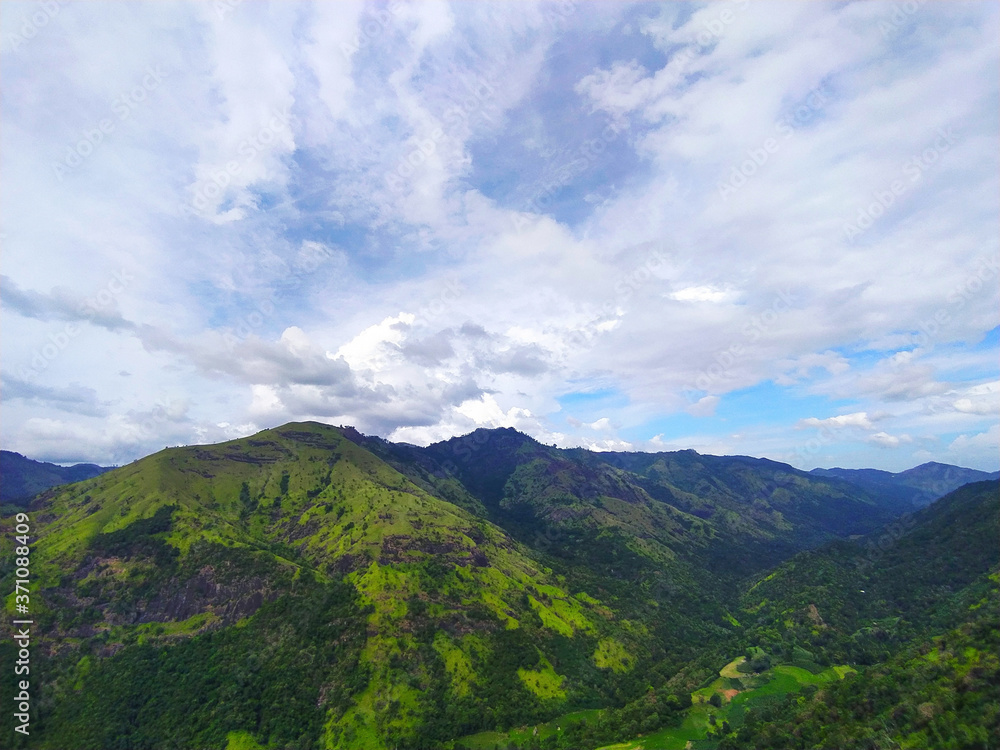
{"points": [[917, 486], [487, 581]]}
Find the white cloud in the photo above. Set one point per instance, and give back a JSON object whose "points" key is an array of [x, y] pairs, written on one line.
{"points": [[702, 294], [335, 37], [704, 407], [251, 134], [885, 440], [858, 419], [977, 450], [980, 399], [467, 273], [373, 349]]}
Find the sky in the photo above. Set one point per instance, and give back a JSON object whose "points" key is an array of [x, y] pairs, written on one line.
{"points": [[742, 227]]}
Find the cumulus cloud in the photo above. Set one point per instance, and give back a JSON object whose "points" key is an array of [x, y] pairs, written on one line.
{"points": [[885, 440], [858, 419], [981, 400]]}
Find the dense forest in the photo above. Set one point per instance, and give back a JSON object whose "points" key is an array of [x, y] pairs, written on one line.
{"points": [[310, 587]]}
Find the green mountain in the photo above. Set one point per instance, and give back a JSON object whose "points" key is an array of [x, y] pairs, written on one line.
{"points": [[311, 587], [853, 600], [756, 510], [907, 617], [939, 693], [21, 478], [918, 603]]}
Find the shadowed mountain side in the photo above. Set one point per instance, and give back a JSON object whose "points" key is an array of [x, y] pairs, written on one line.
{"points": [[22, 478]]}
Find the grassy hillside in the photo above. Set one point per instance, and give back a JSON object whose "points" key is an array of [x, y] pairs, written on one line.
{"points": [[940, 693], [857, 600], [911, 610], [141, 570]]}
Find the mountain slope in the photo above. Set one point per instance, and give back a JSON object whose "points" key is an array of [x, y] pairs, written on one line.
{"points": [[912, 608], [856, 601], [464, 628], [21, 478], [940, 693], [734, 511], [312, 587]]}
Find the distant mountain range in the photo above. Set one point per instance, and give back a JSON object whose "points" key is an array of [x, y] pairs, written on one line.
{"points": [[21, 478], [919, 486], [310, 586]]}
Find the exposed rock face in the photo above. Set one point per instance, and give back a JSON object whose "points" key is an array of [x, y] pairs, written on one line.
{"points": [[230, 601], [229, 596], [400, 548]]}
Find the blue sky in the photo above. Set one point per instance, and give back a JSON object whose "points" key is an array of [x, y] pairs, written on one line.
{"points": [[740, 227]]}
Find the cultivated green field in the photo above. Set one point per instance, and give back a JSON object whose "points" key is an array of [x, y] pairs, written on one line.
{"points": [[752, 689], [738, 691], [523, 735]]}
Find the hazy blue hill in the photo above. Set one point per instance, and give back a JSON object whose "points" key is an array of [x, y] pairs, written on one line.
{"points": [[764, 510], [917, 487], [22, 478]]}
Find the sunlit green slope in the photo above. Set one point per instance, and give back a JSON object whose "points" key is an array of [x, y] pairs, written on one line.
{"points": [[462, 627]]}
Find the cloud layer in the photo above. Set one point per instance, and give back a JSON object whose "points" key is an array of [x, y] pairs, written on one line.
{"points": [[739, 227]]}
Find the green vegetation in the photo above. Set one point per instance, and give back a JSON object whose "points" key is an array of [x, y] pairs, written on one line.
{"points": [[940, 694], [312, 588]]}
